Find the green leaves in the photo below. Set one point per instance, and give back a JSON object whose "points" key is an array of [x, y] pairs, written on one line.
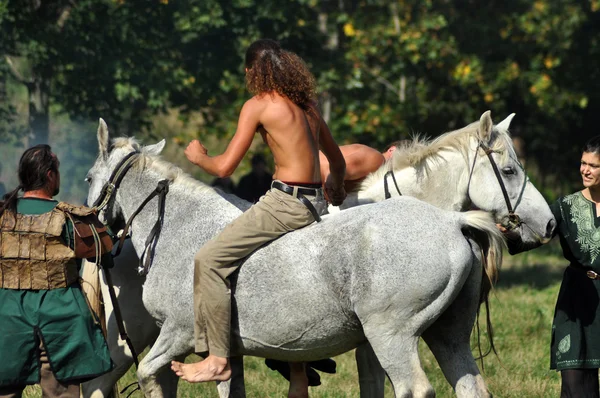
{"points": [[386, 69]]}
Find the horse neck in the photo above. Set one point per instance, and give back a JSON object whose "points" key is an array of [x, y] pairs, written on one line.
{"points": [[203, 210], [444, 184]]}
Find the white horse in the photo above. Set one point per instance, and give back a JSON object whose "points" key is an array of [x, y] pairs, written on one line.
{"points": [[435, 162]]}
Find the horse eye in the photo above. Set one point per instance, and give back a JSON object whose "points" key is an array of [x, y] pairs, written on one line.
{"points": [[508, 171], [88, 179]]}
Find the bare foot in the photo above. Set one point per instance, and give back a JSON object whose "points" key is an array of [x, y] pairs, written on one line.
{"points": [[298, 381], [212, 368]]}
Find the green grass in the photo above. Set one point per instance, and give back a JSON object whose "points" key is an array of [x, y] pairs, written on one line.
{"points": [[522, 307]]}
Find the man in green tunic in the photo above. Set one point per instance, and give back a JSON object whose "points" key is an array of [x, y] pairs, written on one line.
{"points": [[48, 333], [575, 347]]}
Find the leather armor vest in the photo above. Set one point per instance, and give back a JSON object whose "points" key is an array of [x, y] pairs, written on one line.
{"points": [[33, 253]]}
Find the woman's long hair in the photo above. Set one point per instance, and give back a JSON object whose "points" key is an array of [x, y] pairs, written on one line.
{"points": [[33, 173], [272, 69]]}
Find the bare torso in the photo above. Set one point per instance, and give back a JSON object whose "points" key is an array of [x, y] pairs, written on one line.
{"points": [[292, 134], [294, 137]]}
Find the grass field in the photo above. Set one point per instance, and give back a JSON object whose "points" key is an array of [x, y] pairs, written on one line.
{"points": [[522, 306]]}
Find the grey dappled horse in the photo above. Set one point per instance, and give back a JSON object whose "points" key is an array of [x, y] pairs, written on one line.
{"points": [[314, 293], [438, 167]]}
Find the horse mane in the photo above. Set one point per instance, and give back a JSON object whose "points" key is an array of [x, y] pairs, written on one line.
{"points": [[422, 152], [155, 163]]}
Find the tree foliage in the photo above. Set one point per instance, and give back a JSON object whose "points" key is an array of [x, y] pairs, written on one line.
{"points": [[386, 69]]}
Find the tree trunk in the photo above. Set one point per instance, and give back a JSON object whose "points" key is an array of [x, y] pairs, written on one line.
{"points": [[39, 118]]}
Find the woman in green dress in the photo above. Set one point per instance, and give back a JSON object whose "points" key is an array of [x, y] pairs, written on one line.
{"points": [[575, 347]]}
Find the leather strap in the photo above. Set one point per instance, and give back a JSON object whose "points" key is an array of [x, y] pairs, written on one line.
{"points": [[385, 185], [161, 191]]}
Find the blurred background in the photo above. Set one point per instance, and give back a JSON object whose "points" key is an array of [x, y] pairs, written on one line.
{"points": [[386, 70], [171, 69]]}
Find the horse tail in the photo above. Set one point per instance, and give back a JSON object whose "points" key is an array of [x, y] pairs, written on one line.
{"points": [[481, 227]]}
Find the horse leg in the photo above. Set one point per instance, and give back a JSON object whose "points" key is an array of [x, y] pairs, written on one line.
{"points": [[234, 388], [102, 386], [449, 340], [371, 375], [141, 328], [172, 344], [397, 351]]}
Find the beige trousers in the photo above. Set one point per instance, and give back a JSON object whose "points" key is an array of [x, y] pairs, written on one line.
{"points": [[51, 388], [275, 214]]}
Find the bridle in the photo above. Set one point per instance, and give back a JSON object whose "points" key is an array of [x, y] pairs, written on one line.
{"points": [[107, 195], [513, 220], [110, 187]]}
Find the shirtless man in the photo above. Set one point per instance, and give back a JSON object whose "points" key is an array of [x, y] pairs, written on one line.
{"points": [[361, 160], [283, 110]]}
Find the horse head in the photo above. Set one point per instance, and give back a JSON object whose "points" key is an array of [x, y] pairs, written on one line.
{"points": [[499, 184], [115, 157]]}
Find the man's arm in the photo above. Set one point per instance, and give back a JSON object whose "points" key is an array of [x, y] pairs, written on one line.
{"points": [[334, 185], [225, 164]]}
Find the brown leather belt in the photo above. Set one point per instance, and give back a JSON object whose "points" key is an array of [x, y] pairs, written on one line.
{"points": [[298, 193]]}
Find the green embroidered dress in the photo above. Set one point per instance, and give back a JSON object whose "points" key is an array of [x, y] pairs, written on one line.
{"points": [[60, 317], [576, 327]]}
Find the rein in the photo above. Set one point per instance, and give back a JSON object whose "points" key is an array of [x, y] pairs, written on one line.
{"points": [[161, 191]]}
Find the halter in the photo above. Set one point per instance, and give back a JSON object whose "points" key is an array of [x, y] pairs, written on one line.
{"points": [[514, 221]]}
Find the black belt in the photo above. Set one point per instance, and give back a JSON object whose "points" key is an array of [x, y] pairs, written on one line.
{"points": [[298, 193], [588, 272]]}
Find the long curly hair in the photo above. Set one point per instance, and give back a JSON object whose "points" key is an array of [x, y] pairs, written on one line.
{"points": [[271, 68]]}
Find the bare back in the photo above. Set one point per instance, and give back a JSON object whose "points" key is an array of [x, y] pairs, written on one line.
{"points": [[292, 134]]}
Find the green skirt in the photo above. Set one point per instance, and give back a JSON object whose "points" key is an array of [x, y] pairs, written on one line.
{"points": [[576, 327], [61, 318]]}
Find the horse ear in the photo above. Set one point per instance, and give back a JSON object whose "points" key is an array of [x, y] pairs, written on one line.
{"points": [[505, 124], [103, 138], [155, 149], [485, 126]]}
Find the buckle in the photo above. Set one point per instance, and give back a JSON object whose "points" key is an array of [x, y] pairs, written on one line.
{"points": [[592, 275]]}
